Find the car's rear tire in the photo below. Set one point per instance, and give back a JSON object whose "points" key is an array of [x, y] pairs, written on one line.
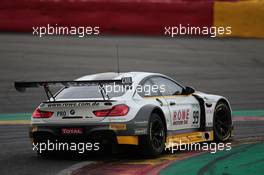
{"points": [[154, 142], [222, 123]]}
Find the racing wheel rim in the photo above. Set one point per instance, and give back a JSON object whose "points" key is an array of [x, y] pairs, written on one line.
{"points": [[157, 134]]}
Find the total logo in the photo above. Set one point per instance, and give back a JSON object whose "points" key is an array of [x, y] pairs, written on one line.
{"points": [[181, 116], [67, 131]]}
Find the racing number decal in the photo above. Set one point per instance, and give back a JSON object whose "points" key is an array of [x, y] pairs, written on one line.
{"points": [[61, 113], [195, 117]]}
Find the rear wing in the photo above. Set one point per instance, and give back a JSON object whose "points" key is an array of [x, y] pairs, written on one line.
{"points": [[21, 86]]}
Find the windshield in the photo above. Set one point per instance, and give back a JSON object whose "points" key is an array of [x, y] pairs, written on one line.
{"points": [[84, 92]]}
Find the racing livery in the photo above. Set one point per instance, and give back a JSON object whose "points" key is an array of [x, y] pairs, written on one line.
{"points": [[150, 110]]}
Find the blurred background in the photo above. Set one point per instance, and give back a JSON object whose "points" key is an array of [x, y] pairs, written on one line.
{"points": [[229, 65]]}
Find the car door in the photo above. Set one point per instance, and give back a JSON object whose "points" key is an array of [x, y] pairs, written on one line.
{"points": [[184, 109]]}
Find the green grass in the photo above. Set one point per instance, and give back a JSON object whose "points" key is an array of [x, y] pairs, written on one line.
{"points": [[243, 160]]}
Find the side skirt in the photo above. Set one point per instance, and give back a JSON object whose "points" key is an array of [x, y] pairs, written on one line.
{"points": [[188, 138]]}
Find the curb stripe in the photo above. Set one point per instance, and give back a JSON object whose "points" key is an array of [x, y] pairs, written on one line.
{"points": [[15, 116], [251, 118], [15, 122], [248, 113]]}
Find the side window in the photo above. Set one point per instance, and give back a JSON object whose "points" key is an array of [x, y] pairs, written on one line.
{"points": [[167, 87], [148, 89]]}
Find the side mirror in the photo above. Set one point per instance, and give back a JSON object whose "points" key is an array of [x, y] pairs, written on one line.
{"points": [[188, 90]]}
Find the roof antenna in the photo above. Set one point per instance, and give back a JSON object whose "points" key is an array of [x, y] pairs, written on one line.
{"points": [[117, 57]]}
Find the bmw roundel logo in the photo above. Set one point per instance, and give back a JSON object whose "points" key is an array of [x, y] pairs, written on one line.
{"points": [[72, 112]]}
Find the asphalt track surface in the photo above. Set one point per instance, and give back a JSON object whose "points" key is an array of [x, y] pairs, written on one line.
{"points": [[230, 67]]}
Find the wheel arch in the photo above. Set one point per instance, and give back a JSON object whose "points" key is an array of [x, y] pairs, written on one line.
{"points": [[159, 111], [145, 112], [225, 101]]}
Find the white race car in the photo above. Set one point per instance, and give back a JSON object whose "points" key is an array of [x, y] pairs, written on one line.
{"points": [[150, 110]]}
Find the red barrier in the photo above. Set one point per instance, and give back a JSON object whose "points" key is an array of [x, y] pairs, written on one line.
{"points": [[115, 17]]}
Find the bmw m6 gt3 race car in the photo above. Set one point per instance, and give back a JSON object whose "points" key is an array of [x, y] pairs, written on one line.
{"points": [[150, 110]]}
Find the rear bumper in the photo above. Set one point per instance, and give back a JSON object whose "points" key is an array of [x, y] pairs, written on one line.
{"points": [[112, 133]]}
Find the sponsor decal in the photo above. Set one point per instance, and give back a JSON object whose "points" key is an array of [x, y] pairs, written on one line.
{"points": [[141, 131], [88, 117], [209, 110], [116, 119], [61, 113], [117, 126], [72, 112], [71, 131], [79, 104], [141, 123], [209, 124], [181, 116]]}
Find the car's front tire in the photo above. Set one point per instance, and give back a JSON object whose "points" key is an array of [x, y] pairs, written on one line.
{"points": [[222, 123], [154, 142]]}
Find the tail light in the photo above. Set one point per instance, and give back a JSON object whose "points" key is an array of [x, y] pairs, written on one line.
{"points": [[41, 114], [118, 110]]}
